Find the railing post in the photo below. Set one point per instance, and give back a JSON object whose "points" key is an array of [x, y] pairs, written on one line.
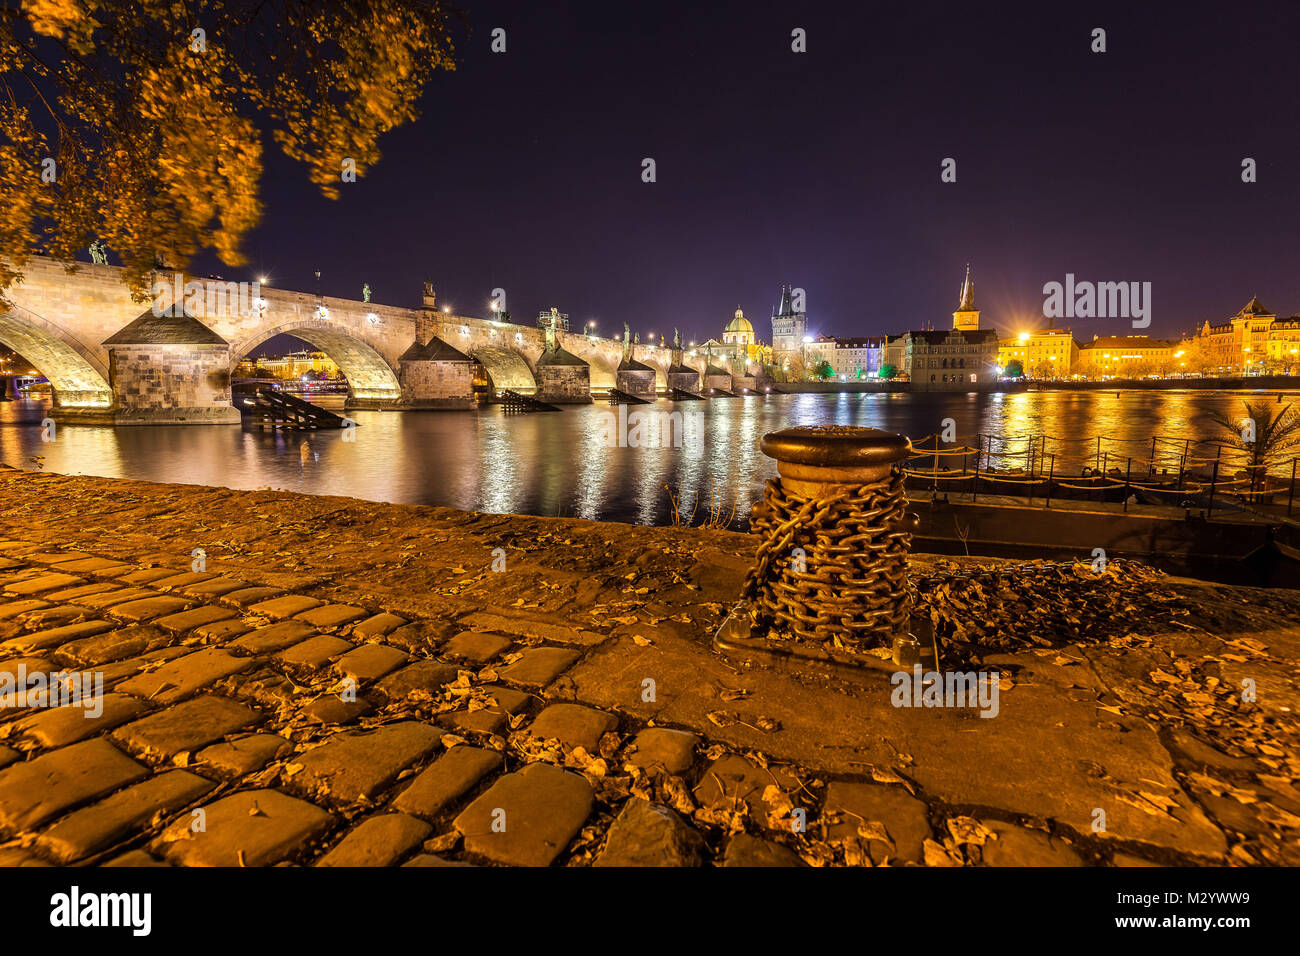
{"points": [[1128, 477], [1105, 475], [1098, 464], [1290, 498], [1153, 456], [1214, 481], [1050, 475], [975, 478]]}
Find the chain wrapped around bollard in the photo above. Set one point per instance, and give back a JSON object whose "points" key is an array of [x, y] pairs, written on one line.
{"points": [[830, 583]]}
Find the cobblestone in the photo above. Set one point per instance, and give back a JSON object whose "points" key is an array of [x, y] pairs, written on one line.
{"points": [[236, 758], [420, 678], [447, 779], [250, 828], [44, 640], [356, 766], [379, 625], [146, 609], [474, 647], [212, 686], [573, 725], [59, 726], [539, 666], [39, 790], [369, 662], [283, 607], [859, 804], [97, 827], [648, 834], [536, 811], [180, 678], [188, 620], [674, 750], [276, 637], [315, 651], [378, 841], [186, 726], [41, 583], [331, 615]]}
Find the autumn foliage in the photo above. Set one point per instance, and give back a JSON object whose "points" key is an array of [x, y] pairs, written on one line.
{"points": [[155, 114]]}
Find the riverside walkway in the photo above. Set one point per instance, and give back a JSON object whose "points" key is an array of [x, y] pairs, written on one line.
{"points": [[327, 681]]}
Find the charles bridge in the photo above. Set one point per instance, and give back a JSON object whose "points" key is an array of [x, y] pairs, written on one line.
{"points": [[107, 362]]}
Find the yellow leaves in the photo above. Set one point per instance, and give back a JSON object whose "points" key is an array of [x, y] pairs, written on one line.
{"points": [[969, 830], [937, 855], [160, 146]]}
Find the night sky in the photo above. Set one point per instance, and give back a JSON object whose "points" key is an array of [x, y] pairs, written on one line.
{"points": [[822, 169]]}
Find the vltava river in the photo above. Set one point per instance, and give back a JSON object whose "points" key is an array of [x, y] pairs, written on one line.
{"points": [[579, 462]]}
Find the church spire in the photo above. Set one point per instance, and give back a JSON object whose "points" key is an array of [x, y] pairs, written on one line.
{"points": [[967, 293], [786, 308]]}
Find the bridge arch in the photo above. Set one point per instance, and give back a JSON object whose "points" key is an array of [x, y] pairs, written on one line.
{"points": [[507, 368], [370, 377], [76, 373]]}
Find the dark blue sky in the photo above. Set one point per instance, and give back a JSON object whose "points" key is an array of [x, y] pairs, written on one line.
{"points": [[823, 169]]}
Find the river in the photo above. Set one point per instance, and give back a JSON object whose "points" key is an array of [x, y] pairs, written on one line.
{"points": [[581, 462]]}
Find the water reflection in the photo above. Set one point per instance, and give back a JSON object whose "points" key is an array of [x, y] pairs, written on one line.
{"points": [[563, 463]]}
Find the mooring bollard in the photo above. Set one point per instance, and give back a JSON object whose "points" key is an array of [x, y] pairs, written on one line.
{"points": [[832, 565]]}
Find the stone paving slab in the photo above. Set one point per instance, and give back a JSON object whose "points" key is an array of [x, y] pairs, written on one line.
{"points": [[378, 841], [447, 779], [356, 766], [40, 789], [186, 726], [250, 828], [180, 678], [527, 818], [99, 826]]}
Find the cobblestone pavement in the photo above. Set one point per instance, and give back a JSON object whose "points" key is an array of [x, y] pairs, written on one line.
{"points": [[345, 683]]}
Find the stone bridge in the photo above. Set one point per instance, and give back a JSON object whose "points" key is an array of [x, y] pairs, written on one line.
{"points": [[109, 358]]}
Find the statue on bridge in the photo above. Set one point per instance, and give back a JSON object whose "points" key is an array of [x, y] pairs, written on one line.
{"points": [[627, 343], [98, 254], [551, 344], [365, 291], [677, 340]]}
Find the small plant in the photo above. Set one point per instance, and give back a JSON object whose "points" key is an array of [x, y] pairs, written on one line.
{"points": [[1268, 435]]}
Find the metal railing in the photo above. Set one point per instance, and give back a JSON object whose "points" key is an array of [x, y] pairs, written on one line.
{"points": [[1185, 472]]}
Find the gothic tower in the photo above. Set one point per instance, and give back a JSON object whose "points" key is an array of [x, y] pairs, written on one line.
{"points": [[967, 317], [788, 326]]}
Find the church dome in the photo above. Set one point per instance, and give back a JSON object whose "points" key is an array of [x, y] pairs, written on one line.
{"points": [[739, 324]]}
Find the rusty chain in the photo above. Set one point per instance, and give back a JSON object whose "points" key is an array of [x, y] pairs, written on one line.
{"points": [[851, 583]]}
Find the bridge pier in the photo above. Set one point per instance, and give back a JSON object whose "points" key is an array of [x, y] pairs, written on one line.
{"points": [[563, 378], [637, 379], [435, 375], [168, 370], [718, 378]]}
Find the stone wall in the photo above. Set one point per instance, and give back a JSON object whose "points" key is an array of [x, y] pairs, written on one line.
{"points": [[686, 381], [176, 384], [564, 384], [720, 382], [639, 382], [437, 384]]}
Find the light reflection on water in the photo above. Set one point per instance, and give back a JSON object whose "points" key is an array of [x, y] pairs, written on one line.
{"points": [[561, 464]]}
